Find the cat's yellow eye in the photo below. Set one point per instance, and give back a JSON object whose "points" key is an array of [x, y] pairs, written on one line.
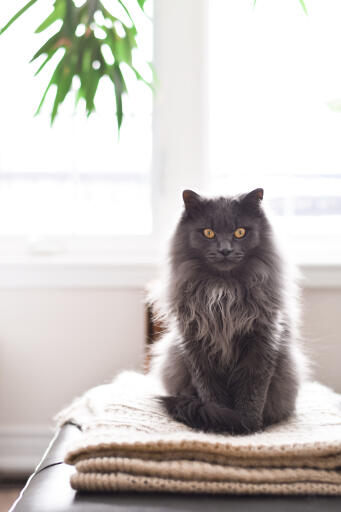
{"points": [[240, 232], [209, 233]]}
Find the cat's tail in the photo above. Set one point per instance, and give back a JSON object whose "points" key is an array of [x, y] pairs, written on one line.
{"points": [[207, 416]]}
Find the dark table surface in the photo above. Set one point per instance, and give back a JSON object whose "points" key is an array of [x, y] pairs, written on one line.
{"points": [[48, 490]]}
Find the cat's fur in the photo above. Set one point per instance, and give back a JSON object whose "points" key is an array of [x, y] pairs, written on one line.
{"points": [[229, 360]]}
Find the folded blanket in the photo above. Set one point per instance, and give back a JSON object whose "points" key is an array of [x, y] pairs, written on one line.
{"points": [[129, 443]]}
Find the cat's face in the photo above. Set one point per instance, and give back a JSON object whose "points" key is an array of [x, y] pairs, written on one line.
{"points": [[223, 232]]}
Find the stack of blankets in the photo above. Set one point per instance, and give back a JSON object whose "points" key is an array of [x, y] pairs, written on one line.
{"points": [[128, 443]]}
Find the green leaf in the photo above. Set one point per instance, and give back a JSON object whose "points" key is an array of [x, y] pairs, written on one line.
{"points": [[119, 109], [126, 10], [54, 81], [303, 6], [335, 105], [141, 3], [63, 87], [87, 60], [50, 45], [122, 47], [140, 77], [49, 57], [17, 15], [57, 14], [120, 88], [111, 17], [93, 6], [130, 39], [63, 79], [70, 22], [91, 87], [107, 14], [80, 52], [89, 76], [79, 95], [51, 82], [121, 50]]}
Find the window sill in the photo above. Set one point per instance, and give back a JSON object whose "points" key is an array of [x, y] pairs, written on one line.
{"points": [[320, 275], [59, 275], [62, 274]]}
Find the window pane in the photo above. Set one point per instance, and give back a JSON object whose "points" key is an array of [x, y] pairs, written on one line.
{"points": [[78, 177], [275, 92]]}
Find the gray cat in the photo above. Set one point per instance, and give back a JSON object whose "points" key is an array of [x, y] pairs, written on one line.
{"points": [[229, 360]]}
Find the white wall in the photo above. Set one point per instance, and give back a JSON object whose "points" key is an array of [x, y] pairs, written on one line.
{"points": [[322, 334], [55, 344]]}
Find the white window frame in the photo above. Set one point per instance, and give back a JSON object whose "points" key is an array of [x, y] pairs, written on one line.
{"points": [[180, 161]]}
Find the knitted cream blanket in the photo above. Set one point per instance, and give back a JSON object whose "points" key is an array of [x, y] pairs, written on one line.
{"points": [[129, 443]]}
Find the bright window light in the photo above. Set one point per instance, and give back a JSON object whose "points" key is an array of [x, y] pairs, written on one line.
{"points": [[275, 107], [78, 177]]}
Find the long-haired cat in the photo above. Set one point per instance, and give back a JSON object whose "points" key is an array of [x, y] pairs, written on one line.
{"points": [[229, 360]]}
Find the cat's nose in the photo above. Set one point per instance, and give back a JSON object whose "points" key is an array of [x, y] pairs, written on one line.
{"points": [[225, 252]]}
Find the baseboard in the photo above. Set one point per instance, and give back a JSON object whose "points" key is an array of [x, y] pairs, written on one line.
{"points": [[21, 448]]}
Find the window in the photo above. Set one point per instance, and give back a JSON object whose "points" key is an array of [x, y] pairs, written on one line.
{"points": [[76, 178], [246, 97], [275, 97]]}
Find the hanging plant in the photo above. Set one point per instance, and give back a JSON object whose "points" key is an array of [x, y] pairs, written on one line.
{"points": [[83, 50]]}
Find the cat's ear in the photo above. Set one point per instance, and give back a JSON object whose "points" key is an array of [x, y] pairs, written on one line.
{"points": [[192, 200], [252, 200]]}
